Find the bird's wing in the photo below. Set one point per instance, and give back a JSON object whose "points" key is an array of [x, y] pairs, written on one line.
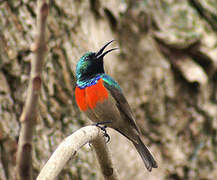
{"points": [[121, 101]]}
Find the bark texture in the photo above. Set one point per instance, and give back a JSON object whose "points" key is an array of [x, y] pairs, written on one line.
{"points": [[167, 67]]}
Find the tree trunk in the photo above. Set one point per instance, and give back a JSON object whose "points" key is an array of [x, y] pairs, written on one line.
{"points": [[166, 66]]}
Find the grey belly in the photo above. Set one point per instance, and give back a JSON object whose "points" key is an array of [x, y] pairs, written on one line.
{"points": [[105, 112]]}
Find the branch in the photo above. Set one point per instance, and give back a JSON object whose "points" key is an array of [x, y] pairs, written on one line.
{"points": [[104, 159], [71, 145], [29, 114]]}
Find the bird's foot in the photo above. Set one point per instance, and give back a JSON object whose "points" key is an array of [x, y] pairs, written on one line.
{"points": [[103, 128], [89, 144]]}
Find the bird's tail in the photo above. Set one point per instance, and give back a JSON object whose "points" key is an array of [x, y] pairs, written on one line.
{"points": [[145, 155]]}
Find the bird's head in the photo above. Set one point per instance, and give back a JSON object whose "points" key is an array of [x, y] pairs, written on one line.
{"points": [[91, 63]]}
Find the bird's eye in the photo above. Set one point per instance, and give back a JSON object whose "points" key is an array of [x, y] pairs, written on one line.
{"points": [[91, 57]]}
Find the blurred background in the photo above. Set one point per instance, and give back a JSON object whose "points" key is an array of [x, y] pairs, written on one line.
{"points": [[166, 66]]}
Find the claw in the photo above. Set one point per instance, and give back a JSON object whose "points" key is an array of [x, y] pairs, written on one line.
{"points": [[89, 144], [108, 137], [103, 128]]}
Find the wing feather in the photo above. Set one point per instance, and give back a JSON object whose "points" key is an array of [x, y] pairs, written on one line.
{"points": [[121, 101]]}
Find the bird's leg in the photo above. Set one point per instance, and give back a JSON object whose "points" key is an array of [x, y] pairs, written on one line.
{"points": [[102, 123], [103, 128]]}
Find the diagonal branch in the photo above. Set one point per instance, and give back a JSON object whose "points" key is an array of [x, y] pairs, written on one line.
{"points": [[29, 114], [71, 145]]}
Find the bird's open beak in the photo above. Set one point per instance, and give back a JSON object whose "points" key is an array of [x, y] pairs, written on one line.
{"points": [[99, 54]]}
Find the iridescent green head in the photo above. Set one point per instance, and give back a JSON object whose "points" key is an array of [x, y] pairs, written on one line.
{"points": [[91, 64]]}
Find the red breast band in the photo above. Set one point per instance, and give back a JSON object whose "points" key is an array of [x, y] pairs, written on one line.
{"points": [[90, 96]]}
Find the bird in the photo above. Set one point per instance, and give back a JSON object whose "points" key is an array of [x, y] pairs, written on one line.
{"points": [[103, 101]]}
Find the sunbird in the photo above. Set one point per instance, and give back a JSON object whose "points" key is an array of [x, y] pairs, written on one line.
{"points": [[103, 101]]}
